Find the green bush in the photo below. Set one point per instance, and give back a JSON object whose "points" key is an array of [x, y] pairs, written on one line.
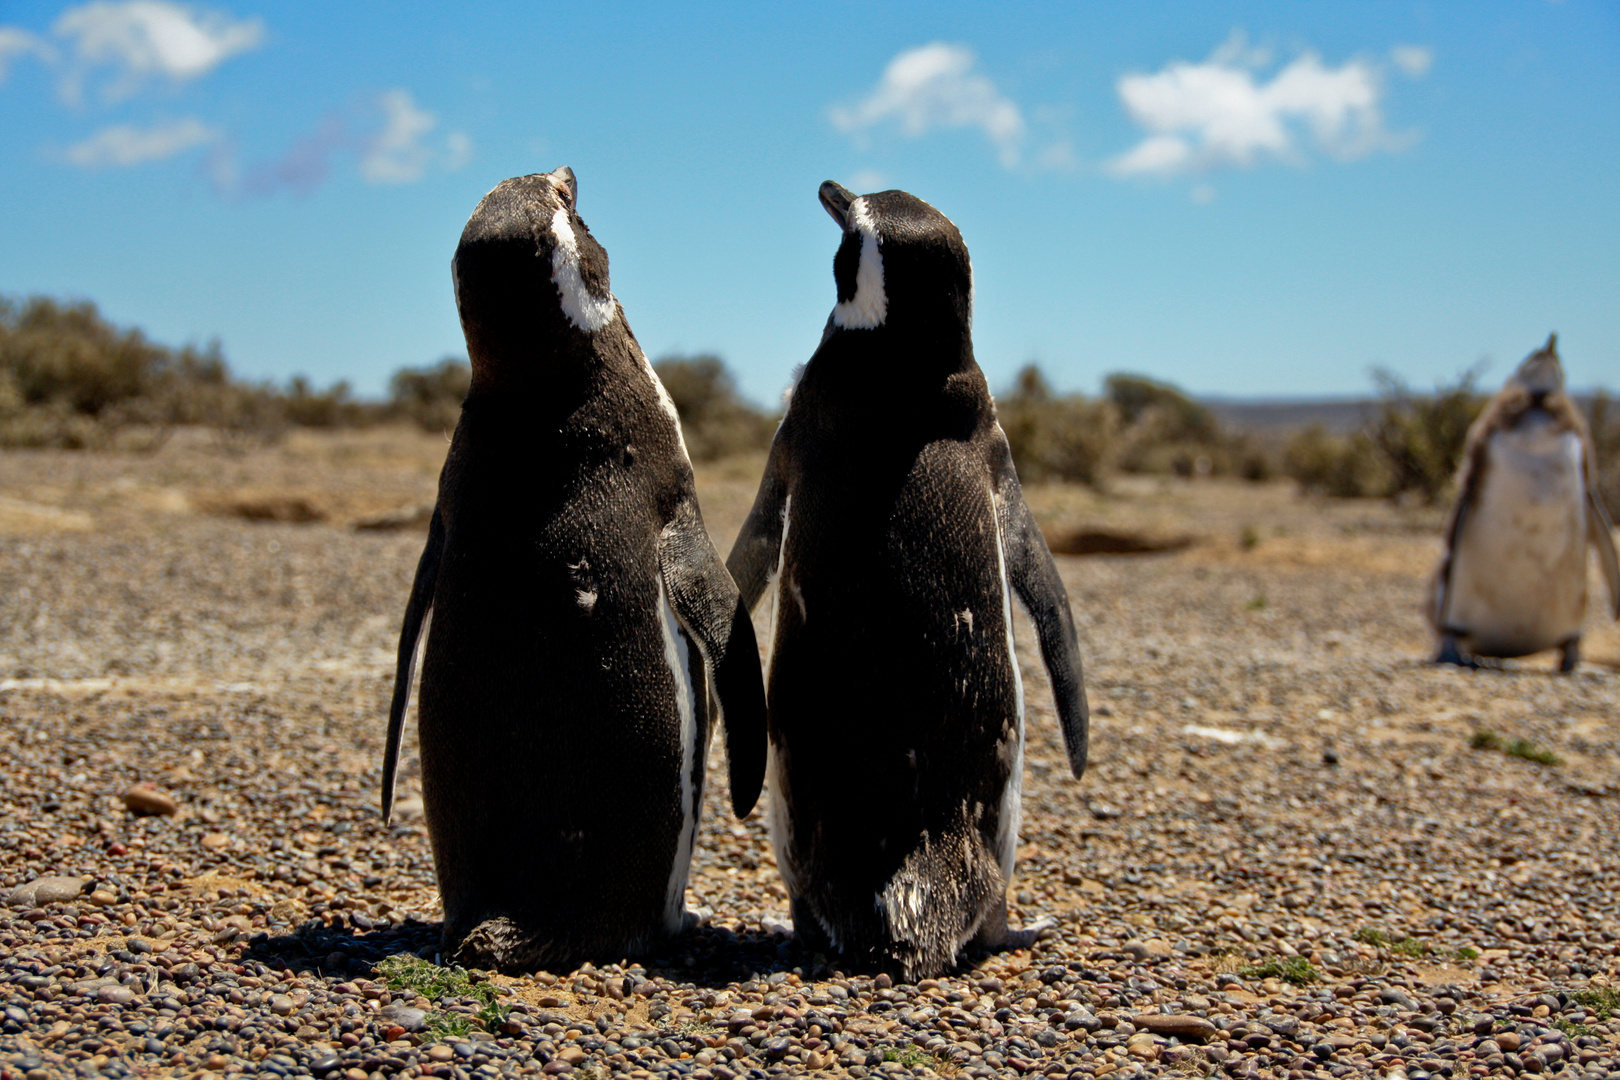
{"points": [[431, 397], [716, 421], [1068, 437]]}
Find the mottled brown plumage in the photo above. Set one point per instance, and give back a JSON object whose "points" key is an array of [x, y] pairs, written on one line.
{"points": [[1512, 580]]}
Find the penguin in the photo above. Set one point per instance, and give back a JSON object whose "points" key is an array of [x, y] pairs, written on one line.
{"points": [[892, 526], [581, 634], [1512, 580]]}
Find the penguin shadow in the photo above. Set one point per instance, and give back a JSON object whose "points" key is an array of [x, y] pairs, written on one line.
{"points": [[341, 947], [715, 956], [712, 955], [709, 955], [1484, 666]]}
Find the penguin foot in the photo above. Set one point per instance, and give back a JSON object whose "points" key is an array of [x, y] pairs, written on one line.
{"points": [[1028, 936], [1451, 653], [1571, 650]]}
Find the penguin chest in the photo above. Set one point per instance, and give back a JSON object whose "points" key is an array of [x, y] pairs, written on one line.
{"points": [[1518, 581]]}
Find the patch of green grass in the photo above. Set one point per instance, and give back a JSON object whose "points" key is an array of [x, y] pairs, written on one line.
{"points": [[407, 971], [493, 1014], [1570, 1027], [447, 1025], [1257, 602], [1249, 538], [1605, 1000], [1412, 947], [1293, 969], [1519, 748], [912, 1056]]}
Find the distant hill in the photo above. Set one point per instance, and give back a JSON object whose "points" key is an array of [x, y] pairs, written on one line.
{"points": [[1286, 414], [1337, 415]]}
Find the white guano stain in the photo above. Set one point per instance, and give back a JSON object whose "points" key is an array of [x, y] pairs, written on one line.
{"points": [[585, 311], [678, 657], [869, 306]]}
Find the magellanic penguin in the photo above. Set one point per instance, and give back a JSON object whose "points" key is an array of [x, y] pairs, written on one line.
{"points": [[891, 521], [583, 628], [1512, 580]]}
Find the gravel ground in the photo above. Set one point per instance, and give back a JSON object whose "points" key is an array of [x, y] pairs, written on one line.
{"points": [[1299, 851]]}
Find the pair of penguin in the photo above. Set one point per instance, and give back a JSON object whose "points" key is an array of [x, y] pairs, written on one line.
{"points": [[1512, 580], [583, 636]]}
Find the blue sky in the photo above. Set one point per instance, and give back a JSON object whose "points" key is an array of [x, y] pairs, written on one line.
{"points": [[1264, 199]]}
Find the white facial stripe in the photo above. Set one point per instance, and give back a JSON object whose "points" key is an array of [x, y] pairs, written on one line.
{"points": [[583, 310], [1012, 795], [870, 305], [677, 656]]}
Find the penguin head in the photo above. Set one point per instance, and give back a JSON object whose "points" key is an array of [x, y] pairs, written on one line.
{"points": [[528, 268], [901, 263], [1541, 374]]}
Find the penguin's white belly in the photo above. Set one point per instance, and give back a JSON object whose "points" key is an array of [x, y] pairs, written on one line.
{"points": [[1518, 577]]}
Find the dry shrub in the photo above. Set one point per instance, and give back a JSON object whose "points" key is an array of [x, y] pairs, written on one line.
{"points": [[1421, 436], [716, 421], [431, 397], [1068, 437], [1344, 466], [1410, 449], [1603, 417], [73, 380], [334, 407], [1165, 431]]}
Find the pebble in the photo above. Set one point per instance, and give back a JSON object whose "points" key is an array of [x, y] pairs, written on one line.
{"points": [[403, 1016], [145, 800], [47, 890], [1181, 1025]]}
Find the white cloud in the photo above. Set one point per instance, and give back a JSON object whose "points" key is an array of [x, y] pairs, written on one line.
{"points": [[396, 151], [125, 145], [140, 39], [15, 42], [866, 181], [395, 155], [1203, 116], [1415, 60], [934, 86], [458, 150]]}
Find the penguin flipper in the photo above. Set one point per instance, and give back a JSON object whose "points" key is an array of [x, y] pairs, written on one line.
{"points": [[418, 612], [1034, 576], [1470, 478], [1602, 536], [707, 603], [754, 554]]}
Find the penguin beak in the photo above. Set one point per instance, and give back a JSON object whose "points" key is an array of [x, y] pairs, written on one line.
{"points": [[563, 180], [837, 199]]}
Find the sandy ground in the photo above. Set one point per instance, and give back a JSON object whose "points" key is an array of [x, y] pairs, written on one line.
{"points": [[1287, 831]]}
